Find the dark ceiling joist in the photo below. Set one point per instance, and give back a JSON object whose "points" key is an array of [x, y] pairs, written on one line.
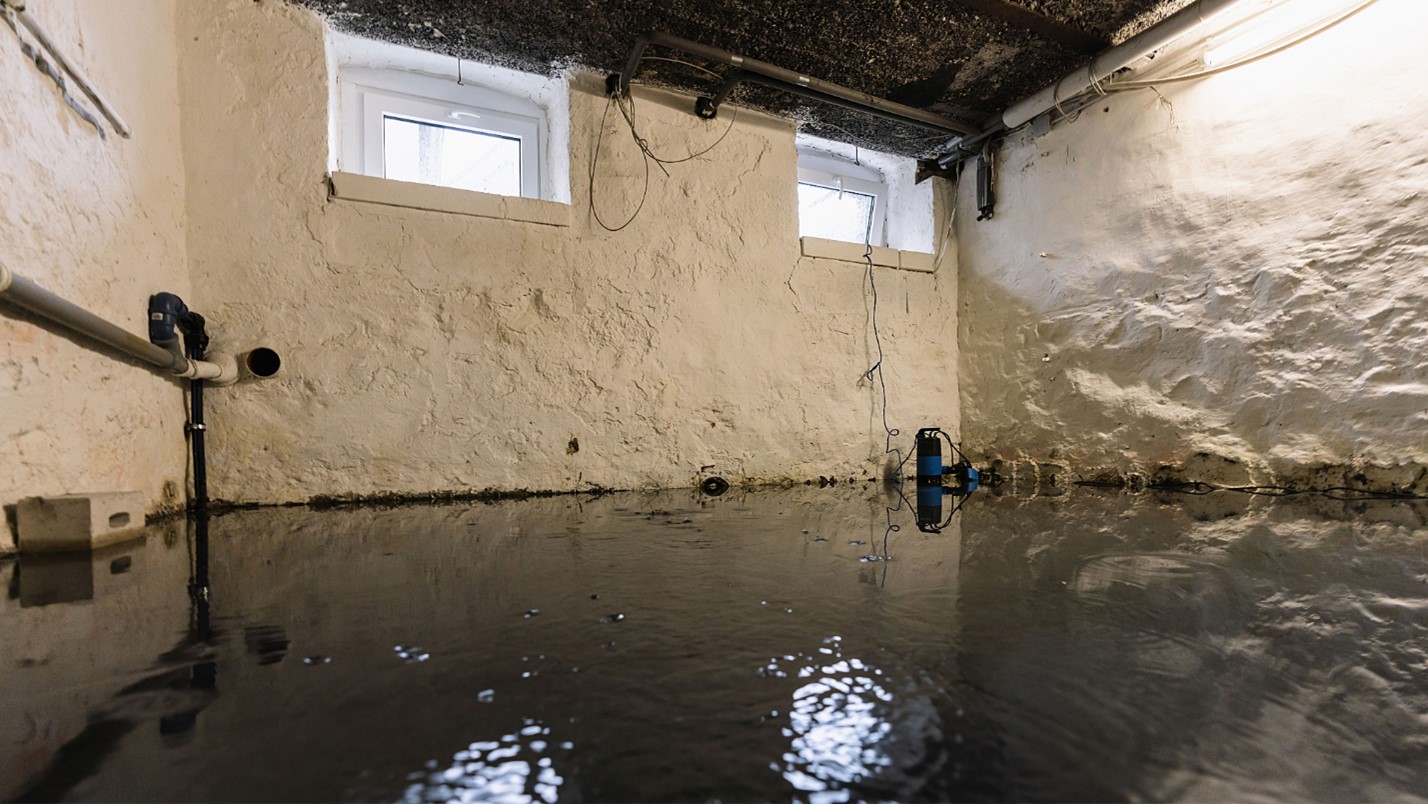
{"points": [[1039, 24]]}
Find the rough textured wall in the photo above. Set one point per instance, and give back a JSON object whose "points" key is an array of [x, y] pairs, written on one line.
{"points": [[1240, 271], [100, 222], [427, 351]]}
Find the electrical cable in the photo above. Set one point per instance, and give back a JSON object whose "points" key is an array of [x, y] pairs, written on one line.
{"points": [[626, 104], [877, 368], [594, 163], [704, 70], [629, 114]]}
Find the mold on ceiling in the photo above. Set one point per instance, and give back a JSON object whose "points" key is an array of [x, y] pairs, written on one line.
{"points": [[965, 59]]}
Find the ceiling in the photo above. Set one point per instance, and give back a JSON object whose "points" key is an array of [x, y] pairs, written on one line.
{"points": [[965, 59]]}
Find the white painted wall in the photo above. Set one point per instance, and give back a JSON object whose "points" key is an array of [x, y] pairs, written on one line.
{"points": [[101, 222], [1241, 272], [428, 351]]}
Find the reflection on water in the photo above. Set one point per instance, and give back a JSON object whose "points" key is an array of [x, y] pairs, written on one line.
{"points": [[837, 733], [678, 647], [516, 769]]}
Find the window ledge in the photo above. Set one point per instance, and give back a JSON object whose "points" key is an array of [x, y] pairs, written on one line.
{"points": [[410, 195], [919, 261]]}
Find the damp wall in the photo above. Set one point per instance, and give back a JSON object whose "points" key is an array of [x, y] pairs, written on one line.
{"points": [[99, 221], [521, 346], [1230, 275]]}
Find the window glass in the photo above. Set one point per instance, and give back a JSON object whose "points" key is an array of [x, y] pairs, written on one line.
{"points": [[431, 129], [832, 214], [450, 156]]}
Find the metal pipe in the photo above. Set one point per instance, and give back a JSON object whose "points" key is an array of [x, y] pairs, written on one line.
{"points": [[875, 109], [23, 293], [733, 79], [85, 85], [791, 81], [1108, 62]]}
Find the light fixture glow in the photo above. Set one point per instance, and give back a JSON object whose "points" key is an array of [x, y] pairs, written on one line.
{"points": [[1282, 21]]}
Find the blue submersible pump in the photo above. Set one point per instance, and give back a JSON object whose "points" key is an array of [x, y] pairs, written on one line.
{"points": [[931, 477]]}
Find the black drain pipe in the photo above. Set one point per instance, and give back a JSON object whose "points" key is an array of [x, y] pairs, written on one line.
{"points": [[196, 339], [169, 318]]}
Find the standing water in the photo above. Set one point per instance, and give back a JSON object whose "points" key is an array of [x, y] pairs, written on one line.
{"points": [[676, 647]]}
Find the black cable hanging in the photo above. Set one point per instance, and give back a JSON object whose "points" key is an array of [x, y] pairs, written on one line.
{"points": [[877, 368], [626, 104]]}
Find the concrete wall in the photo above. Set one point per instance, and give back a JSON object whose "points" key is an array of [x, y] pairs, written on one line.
{"points": [[427, 351], [1238, 271], [101, 222]]}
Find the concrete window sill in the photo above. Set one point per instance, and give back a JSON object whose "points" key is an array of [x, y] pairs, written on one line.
{"points": [[375, 190], [919, 261]]}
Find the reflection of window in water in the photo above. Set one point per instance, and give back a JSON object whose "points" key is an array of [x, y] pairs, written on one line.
{"points": [[516, 768], [838, 735]]}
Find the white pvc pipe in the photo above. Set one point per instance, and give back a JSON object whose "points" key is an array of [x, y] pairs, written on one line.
{"points": [[228, 369], [221, 370], [85, 85], [1108, 62], [21, 292]]}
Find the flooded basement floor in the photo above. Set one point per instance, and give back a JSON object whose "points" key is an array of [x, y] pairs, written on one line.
{"points": [[668, 646]]}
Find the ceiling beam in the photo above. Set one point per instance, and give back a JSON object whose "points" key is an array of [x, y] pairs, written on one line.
{"points": [[1047, 28]]}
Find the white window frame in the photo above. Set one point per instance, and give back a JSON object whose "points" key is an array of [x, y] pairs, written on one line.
{"points": [[368, 96], [834, 173]]}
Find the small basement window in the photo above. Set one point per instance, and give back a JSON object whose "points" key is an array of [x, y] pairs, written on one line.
{"points": [[840, 199], [856, 195], [420, 128]]}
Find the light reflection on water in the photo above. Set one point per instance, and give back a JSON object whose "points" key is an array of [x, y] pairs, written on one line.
{"points": [[835, 727], [516, 769], [672, 647]]}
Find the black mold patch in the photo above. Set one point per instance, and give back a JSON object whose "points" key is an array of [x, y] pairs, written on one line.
{"points": [[933, 54]]}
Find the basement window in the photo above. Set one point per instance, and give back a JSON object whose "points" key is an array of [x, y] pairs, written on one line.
{"points": [[840, 199], [425, 129], [850, 195]]}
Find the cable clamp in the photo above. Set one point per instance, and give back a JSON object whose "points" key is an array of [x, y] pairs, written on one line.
{"points": [[189, 427]]}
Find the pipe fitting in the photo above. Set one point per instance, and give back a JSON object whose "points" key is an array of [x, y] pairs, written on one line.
{"points": [[166, 314], [256, 364], [6, 277]]}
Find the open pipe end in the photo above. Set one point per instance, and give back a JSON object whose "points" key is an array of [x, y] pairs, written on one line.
{"points": [[262, 362]]}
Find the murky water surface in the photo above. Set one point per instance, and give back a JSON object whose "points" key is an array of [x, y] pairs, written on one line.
{"points": [[673, 647]]}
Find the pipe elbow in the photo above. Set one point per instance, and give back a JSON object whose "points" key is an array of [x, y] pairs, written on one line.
{"points": [[255, 364]]}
